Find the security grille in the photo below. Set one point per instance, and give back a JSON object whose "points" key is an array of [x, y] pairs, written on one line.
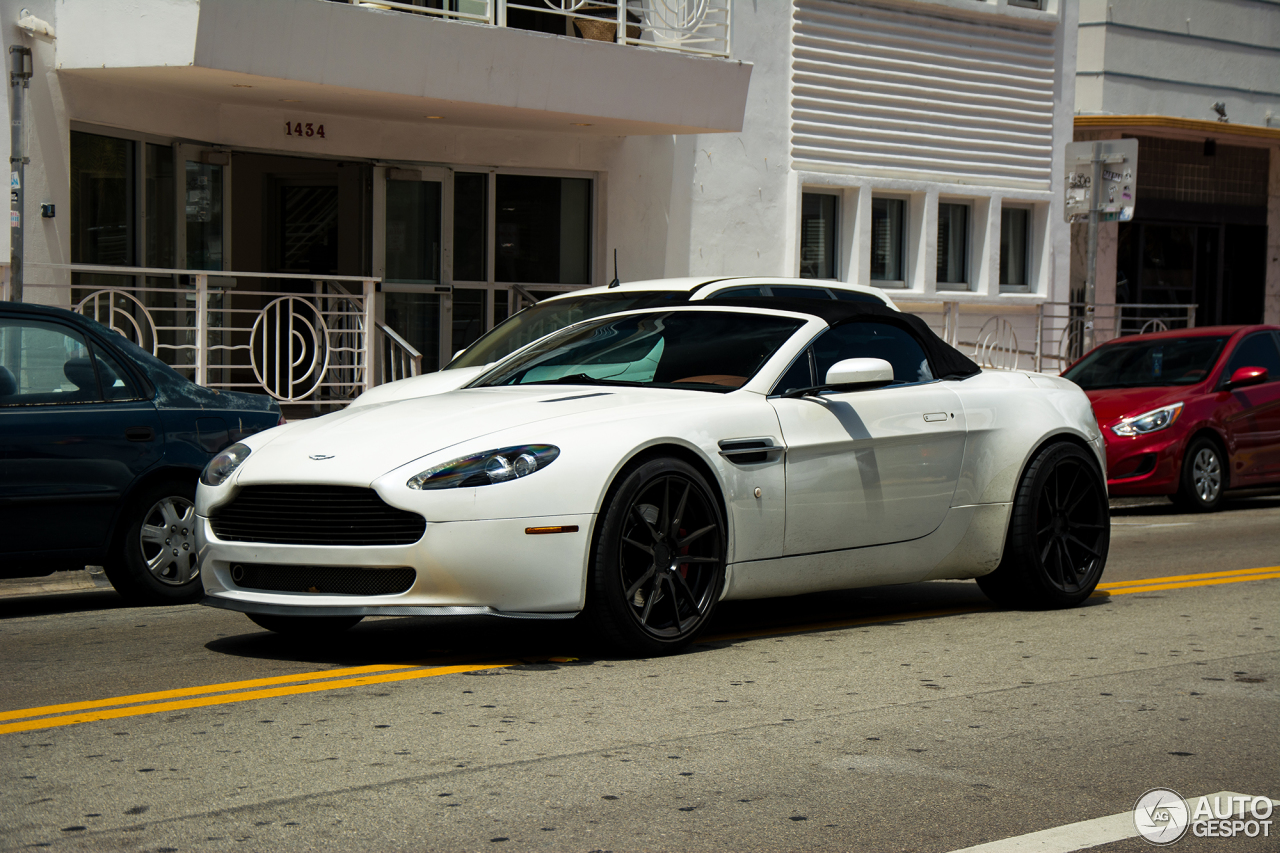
{"points": [[331, 580], [315, 515]]}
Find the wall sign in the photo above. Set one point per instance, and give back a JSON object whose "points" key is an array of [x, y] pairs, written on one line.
{"points": [[303, 128]]}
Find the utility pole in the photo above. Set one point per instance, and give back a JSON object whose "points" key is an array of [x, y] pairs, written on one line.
{"points": [[1106, 194], [1091, 274], [19, 80]]}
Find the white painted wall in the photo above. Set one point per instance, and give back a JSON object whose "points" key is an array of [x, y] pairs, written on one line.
{"points": [[1177, 57]]}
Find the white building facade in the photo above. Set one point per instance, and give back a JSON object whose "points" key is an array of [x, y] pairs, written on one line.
{"points": [[291, 195], [1197, 84]]}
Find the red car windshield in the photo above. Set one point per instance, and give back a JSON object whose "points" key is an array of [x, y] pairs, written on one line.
{"points": [[1147, 363]]}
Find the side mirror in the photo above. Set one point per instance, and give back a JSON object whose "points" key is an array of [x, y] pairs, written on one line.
{"points": [[860, 371], [1246, 376]]}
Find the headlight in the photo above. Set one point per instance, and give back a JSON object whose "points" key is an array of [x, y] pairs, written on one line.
{"points": [[1156, 419], [224, 465], [483, 469]]}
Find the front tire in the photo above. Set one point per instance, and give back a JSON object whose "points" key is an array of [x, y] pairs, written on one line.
{"points": [[1203, 477], [307, 627], [658, 564], [1059, 533], [155, 559]]}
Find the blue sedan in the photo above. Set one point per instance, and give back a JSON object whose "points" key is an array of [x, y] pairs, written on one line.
{"points": [[101, 445]]}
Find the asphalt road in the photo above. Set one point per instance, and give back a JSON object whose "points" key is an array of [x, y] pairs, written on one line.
{"points": [[897, 718]]}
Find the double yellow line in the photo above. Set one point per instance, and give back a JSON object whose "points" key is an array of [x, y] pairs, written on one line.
{"points": [[73, 713], [1185, 581]]}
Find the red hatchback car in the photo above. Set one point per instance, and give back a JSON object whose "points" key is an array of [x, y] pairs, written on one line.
{"points": [[1188, 413]]}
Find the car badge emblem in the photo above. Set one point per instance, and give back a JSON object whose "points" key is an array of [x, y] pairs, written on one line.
{"points": [[319, 456]]}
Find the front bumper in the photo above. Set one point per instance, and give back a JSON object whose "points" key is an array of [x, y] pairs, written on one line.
{"points": [[489, 567], [1143, 464]]}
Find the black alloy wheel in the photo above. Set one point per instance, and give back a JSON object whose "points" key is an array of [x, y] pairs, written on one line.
{"points": [[1059, 533], [659, 560], [1204, 477]]}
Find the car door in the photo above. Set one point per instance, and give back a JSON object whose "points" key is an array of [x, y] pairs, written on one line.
{"points": [[77, 431], [874, 466], [1253, 426]]}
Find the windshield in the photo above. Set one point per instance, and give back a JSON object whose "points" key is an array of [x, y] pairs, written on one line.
{"points": [[699, 350], [1147, 364], [542, 319]]}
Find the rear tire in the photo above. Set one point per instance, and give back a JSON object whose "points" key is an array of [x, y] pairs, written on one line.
{"points": [[658, 564], [1204, 477], [311, 627], [1059, 533], [155, 558]]}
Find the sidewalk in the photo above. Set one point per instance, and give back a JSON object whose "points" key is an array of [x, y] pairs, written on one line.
{"points": [[57, 582]]}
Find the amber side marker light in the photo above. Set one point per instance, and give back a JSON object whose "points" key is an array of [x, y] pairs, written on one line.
{"points": [[541, 531]]}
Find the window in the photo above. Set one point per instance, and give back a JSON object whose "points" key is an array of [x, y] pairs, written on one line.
{"points": [[818, 235], [413, 231], [470, 217], [1028, 4], [1014, 230], [543, 230], [693, 350], [953, 245], [102, 200], [859, 340], [1257, 350], [887, 244], [47, 363]]}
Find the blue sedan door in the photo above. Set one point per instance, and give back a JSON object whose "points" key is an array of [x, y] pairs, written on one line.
{"points": [[75, 432]]}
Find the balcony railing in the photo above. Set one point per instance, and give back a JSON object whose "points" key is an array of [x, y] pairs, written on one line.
{"points": [[1052, 333], [298, 338], [687, 26]]}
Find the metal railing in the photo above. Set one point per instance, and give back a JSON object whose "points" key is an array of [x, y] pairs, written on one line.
{"points": [[298, 338], [399, 360], [1053, 332], [686, 26]]}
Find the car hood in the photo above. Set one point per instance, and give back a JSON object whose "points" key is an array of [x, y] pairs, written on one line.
{"points": [[419, 386], [359, 444], [1112, 404]]}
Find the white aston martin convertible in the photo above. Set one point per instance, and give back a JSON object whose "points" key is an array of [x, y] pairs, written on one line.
{"points": [[637, 469]]}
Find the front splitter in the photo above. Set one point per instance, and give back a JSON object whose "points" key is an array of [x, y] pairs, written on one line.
{"points": [[390, 610]]}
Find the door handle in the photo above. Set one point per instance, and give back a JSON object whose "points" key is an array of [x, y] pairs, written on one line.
{"points": [[140, 434], [934, 417]]}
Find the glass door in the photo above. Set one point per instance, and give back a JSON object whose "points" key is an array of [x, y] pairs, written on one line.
{"points": [[204, 182], [415, 260]]}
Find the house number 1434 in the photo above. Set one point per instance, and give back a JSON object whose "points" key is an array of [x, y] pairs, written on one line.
{"points": [[299, 128]]}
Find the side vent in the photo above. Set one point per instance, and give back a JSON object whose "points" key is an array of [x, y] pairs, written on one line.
{"points": [[750, 451]]}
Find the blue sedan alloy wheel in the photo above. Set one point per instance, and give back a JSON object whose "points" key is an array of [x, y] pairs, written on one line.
{"points": [[155, 562], [1059, 532], [659, 561]]}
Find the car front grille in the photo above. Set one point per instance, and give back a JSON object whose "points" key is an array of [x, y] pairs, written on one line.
{"points": [[315, 515], [331, 580]]}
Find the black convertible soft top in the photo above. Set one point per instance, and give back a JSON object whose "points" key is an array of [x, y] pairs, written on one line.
{"points": [[946, 361]]}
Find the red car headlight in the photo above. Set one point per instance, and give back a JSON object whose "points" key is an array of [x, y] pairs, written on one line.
{"points": [[1152, 421]]}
